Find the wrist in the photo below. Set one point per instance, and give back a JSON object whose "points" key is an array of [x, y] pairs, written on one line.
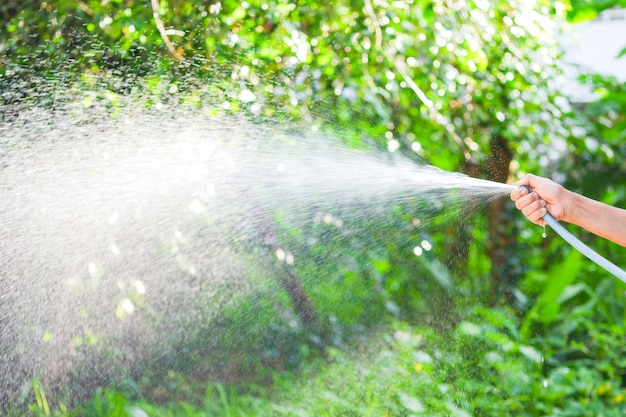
{"points": [[571, 206]]}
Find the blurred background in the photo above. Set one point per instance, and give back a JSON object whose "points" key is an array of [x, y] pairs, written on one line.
{"points": [[464, 311]]}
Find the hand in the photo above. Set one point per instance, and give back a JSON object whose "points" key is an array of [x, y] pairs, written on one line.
{"points": [[546, 196]]}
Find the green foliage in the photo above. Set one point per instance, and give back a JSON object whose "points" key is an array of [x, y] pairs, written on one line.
{"points": [[482, 368], [581, 10], [42, 401], [557, 280], [324, 56], [438, 81]]}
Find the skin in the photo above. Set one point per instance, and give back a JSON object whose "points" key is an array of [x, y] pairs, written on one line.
{"points": [[601, 219]]}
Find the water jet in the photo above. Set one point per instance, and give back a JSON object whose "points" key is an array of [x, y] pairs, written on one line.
{"points": [[117, 232]]}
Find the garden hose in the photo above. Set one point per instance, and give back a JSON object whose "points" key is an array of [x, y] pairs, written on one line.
{"points": [[581, 247]]}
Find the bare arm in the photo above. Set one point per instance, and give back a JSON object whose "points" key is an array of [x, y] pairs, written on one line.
{"points": [[601, 219]]}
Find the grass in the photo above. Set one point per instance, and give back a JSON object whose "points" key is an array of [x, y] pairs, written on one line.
{"points": [[392, 375], [481, 369]]}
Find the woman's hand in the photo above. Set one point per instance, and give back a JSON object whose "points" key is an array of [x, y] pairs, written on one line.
{"points": [[546, 196]]}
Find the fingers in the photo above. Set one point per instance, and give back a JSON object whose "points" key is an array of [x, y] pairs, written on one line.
{"points": [[519, 193], [537, 216], [535, 210], [529, 181], [526, 200], [531, 205]]}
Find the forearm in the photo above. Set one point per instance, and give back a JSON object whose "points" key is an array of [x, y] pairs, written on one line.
{"points": [[601, 219]]}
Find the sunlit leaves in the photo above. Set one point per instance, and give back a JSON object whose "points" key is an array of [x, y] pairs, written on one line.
{"points": [[452, 50]]}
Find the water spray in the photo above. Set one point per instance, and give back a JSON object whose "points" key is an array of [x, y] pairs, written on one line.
{"points": [[580, 246]]}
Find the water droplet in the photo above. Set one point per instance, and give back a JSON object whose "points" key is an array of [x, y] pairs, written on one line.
{"points": [[139, 286], [115, 249], [113, 218], [124, 308], [393, 145], [210, 190], [196, 207], [137, 412], [95, 272], [247, 96]]}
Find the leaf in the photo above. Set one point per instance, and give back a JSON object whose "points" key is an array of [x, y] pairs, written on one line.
{"points": [[570, 292], [469, 329], [531, 353], [622, 53], [334, 398], [456, 411], [582, 15], [442, 275], [382, 266], [428, 13], [547, 307], [236, 16], [136, 411], [411, 403]]}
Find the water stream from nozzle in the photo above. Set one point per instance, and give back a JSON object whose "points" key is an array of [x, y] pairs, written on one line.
{"points": [[131, 230]]}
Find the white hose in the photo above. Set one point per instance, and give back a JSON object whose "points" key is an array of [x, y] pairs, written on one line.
{"points": [[584, 249]]}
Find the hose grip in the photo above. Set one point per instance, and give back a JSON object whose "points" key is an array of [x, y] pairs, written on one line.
{"points": [[530, 191]]}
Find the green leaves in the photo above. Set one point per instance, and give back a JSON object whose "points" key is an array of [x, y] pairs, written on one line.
{"points": [[557, 290], [582, 10]]}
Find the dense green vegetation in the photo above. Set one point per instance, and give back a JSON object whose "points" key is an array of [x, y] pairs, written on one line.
{"points": [[493, 321]]}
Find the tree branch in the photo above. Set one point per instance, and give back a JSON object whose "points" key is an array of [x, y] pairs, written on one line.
{"points": [[401, 68], [163, 32]]}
